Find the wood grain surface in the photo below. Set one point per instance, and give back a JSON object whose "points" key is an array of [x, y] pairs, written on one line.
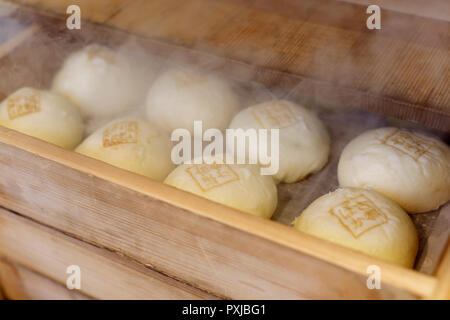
{"points": [[442, 290], [320, 48], [104, 274], [208, 245]]}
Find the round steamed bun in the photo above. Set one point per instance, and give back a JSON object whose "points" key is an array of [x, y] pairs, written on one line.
{"points": [[133, 145], [238, 186], [102, 82], [183, 95], [409, 168], [44, 115], [304, 142], [363, 220]]}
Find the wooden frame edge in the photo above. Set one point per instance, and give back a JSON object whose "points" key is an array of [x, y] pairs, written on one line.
{"points": [[417, 283], [442, 288], [61, 250]]}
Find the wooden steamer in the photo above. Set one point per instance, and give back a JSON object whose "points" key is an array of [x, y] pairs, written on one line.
{"points": [[136, 238]]}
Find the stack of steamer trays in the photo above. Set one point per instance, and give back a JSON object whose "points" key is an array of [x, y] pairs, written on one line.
{"points": [[133, 237]]}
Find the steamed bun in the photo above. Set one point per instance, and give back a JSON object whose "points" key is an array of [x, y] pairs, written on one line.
{"points": [[44, 115], [182, 95], [103, 82], [238, 186], [363, 220], [131, 144], [304, 144], [410, 168]]}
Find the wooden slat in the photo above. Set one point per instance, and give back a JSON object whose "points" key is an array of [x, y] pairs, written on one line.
{"points": [[208, 245], [104, 275], [320, 48], [20, 283], [401, 70], [442, 290]]}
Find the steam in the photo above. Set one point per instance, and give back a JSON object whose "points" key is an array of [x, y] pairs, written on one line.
{"points": [[39, 57]]}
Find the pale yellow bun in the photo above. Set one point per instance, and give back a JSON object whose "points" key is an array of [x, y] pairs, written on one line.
{"points": [[409, 168], [103, 82], [183, 95], [304, 141], [131, 144], [44, 115], [363, 220], [238, 186]]}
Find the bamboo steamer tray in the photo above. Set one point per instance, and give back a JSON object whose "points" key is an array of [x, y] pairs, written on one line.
{"points": [[155, 241]]}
